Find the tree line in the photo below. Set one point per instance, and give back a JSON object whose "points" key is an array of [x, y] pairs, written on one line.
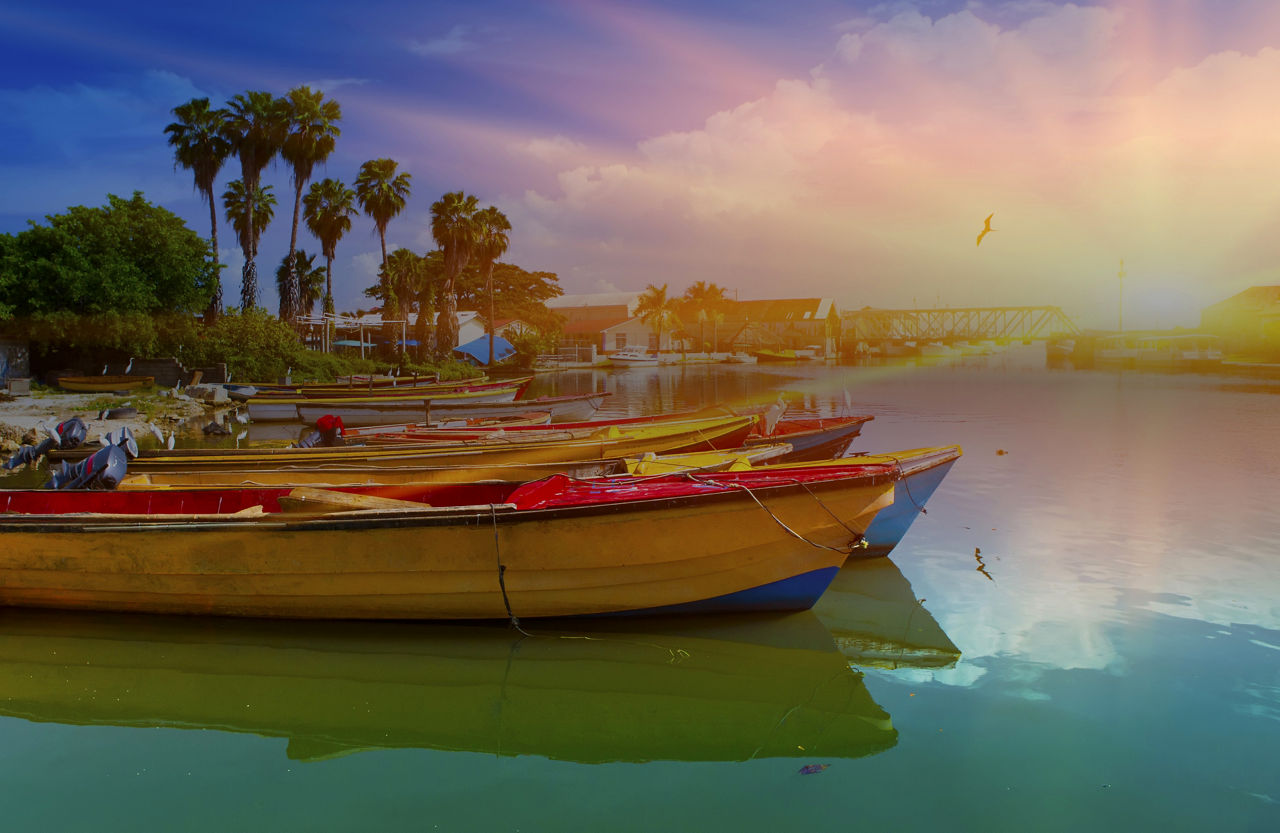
{"points": [[702, 303], [302, 129]]}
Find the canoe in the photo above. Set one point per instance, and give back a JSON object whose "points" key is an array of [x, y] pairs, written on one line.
{"points": [[351, 408], [401, 392], [610, 442], [103, 384], [388, 475], [813, 438], [759, 540], [764, 356], [571, 407], [750, 687]]}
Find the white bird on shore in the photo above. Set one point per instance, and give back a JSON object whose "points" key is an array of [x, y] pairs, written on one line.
{"points": [[128, 366], [242, 418], [104, 370], [169, 442], [155, 430]]}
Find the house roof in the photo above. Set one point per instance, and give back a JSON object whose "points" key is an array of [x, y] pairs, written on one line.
{"points": [[783, 309], [1254, 298], [596, 299], [593, 325]]}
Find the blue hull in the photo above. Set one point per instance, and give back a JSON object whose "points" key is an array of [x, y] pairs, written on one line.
{"points": [[796, 593], [909, 496]]}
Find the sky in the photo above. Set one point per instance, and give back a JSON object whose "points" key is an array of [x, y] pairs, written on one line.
{"points": [[801, 149]]}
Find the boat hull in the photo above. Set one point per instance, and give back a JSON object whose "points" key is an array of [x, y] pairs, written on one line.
{"points": [[716, 552], [562, 409], [354, 409], [103, 384]]}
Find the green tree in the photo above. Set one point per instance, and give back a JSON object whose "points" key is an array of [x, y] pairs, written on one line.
{"points": [[256, 127], [382, 194], [329, 205], [200, 144], [456, 232], [491, 243], [657, 310], [301, 267], [705, 299], [411, 277], [249, 217], [312, 132], [126, 256], [517, 293]]}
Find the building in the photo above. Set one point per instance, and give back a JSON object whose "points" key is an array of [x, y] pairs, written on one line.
{"points": [[1248, 322]]}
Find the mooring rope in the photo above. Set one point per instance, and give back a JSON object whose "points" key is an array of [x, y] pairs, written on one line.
{"points": [[775, 518], [502, 569]]}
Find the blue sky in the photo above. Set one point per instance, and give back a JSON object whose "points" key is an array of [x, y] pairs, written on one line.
{"points": [[831, 148]]}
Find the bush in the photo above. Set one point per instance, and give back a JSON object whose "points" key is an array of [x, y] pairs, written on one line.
{"points": [[257, 347]]}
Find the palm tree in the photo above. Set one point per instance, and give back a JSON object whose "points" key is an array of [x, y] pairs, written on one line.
{"points": [[706, 299], [249, 218], [313, 130], [257, 126], [491, 242], [657, 310], [201, 146], [329, 207], [456, 232], [382, 194], [409, 277], [309, 276]]}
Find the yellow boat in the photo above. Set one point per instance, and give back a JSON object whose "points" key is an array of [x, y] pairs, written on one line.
{"points": [[731, 689], [103, 384], [720, 542], [607, 443]]}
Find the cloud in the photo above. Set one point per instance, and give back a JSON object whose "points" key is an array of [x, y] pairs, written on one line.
{"points": [[869, 179], [330, 84], [451, 44]]}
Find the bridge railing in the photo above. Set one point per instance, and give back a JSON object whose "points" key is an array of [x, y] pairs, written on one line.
{"points": [[956, 324]]}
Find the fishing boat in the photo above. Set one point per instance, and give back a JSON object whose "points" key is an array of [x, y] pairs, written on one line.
{"points": [[354, 408], [724, 688], [572, 407], [740, 357], [634, 357], [722, 542], [608, 442], [918, 473], [400, 392], [104, 384], [812, 438]]}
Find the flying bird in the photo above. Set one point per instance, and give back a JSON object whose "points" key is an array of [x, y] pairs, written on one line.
{"points": [[986, 228]]}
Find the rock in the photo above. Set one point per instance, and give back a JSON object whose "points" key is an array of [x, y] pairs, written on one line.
{"points": [[215, 394], [216, 428]]}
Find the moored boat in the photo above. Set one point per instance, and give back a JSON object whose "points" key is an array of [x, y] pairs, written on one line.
{"points": [[355, 408], [766, 355], [103, 384], [634, 357], [734, 541], [571, 407]]}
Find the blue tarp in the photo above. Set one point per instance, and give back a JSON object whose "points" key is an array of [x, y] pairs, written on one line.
{"points": [[477, 350]]}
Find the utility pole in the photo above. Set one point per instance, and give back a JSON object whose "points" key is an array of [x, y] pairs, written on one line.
{"points": [[1120, 275]]}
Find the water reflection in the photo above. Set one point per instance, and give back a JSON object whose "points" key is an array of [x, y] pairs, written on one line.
{"points": [[722, 689], [877, 621]]}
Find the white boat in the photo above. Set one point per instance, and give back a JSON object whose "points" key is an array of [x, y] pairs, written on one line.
{"points": [[634, 357], [1116, 350], [739, 357], [936, 349]]}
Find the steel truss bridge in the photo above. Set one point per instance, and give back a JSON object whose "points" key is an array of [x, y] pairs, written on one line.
{"points": [[955, 324]]}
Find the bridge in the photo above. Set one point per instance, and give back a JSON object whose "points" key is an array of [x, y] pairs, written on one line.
{"points": [[955, 324]]}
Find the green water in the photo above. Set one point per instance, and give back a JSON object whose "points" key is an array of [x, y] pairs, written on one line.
{"points": [[1083, 633]]}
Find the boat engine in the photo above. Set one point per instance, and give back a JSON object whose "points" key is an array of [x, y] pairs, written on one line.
{"points": [[103, 471], [70, 433]]}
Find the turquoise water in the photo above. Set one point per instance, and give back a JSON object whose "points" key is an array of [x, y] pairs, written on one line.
{"points": [[1082, 633]]}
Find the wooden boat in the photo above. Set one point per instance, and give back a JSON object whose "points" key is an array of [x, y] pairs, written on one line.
{"points": [[355, 408], [918, 471], [388, 475], [104, 384], [757, 540], [758, 686], [610, 442], [400, 392], [812, 438], [740, 357], [571, 407]]}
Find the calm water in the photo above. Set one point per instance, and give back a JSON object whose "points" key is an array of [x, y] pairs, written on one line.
{"points": [[1083, 633]]}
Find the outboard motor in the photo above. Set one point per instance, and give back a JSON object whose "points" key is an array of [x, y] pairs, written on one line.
{"points": [[104, 470], [330, 433], [124, 440], [71, 434]]}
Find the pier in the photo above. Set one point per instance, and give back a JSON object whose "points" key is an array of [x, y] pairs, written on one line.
{"points": [[953, 324]]}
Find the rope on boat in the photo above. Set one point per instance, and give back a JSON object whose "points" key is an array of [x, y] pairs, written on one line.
{"points": [[775, 518], [902, 475], [502, 569]]}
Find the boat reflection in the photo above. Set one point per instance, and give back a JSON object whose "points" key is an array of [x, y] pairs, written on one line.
{"points": [[876, 620], [688, 689]]}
